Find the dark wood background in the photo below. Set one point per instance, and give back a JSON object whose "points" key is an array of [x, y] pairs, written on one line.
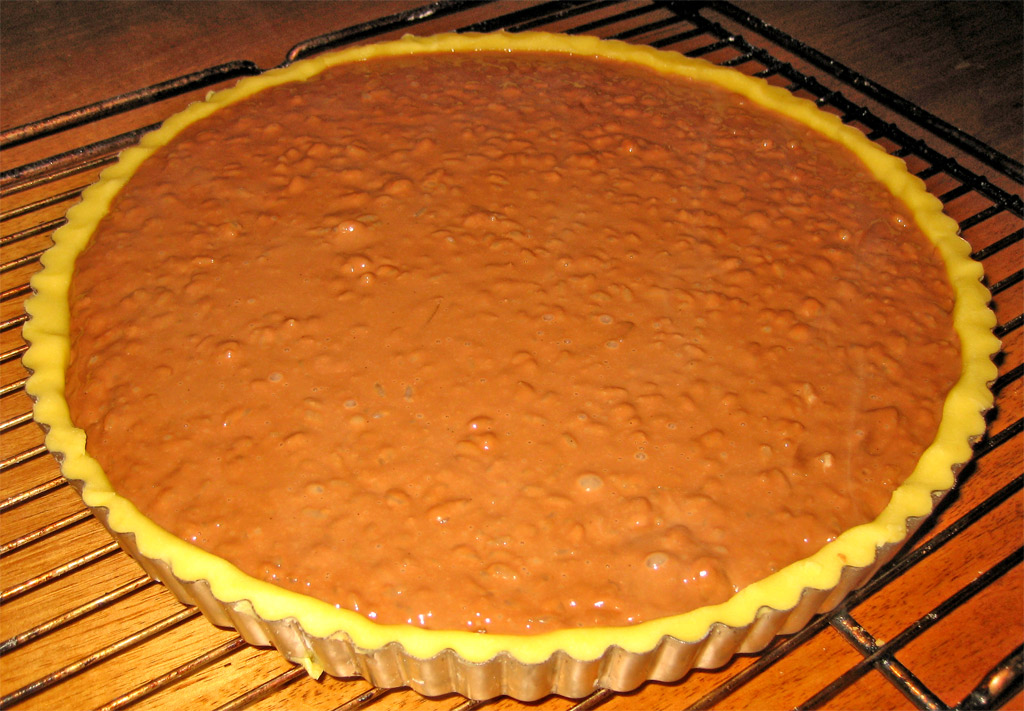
{"points": [[959, 60]]}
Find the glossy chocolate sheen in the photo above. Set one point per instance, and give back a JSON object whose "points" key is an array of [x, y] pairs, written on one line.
{"points": [[508, 344]]}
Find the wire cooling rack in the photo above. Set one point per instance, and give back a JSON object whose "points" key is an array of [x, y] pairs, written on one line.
{"points": [[82, 627]]}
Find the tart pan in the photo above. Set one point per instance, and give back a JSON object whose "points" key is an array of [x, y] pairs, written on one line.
{"points": [[567, 662]]}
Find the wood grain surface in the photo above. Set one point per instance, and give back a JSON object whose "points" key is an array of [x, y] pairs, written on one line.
{"points": [[959, 61]]}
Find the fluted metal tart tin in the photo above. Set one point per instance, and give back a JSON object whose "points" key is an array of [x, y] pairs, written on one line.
{"points": [[569, 662], [503, 674]]}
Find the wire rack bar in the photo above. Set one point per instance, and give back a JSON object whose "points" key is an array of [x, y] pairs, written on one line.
{"points": [[264, 690], [999, 246], [11, 323], [955, 193], [893, 570], [879, 93], [12, 184], [175, 675], [39, 533], [13, 354], [1006, 283], [846, 107], [622, 16], [881, 656], [57, 572], [39, 490], [651, 27], [15, 292], [31, 232], [15, 421], [575, 10], [57, 199], [97, 657], [569, 10], [368, 30], [364, 699], [1008, 377], [1003, 683], [12, 265], [527, 14], [21, 458], [901, 677], [13, 461], [126, 102], [598, 698], [88, 608], [694, 22], [93, 152], [12, 387], [1012, 325]]}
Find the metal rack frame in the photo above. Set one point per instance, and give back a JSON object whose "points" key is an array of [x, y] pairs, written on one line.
{"points": [[37, 193]]}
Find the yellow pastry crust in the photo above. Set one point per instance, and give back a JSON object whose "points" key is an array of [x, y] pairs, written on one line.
{"points": [[962, 421]]}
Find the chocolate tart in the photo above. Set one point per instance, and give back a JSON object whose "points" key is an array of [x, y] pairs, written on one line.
{"points": [[571, 661]]}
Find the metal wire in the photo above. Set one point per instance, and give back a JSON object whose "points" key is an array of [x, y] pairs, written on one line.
{"points": [[126, 102], [57, 572], [177, 674], [364, 699], [879, 93], [12, 183], [881, 656], [20, 262], [8, 356], [15, 421], [45, 487], [998, 687], [53, 527], [25, 234], [96, 657], [892, 571], [12, 387], [686, 23], [264, 690], [29, 208], [88, 608]]}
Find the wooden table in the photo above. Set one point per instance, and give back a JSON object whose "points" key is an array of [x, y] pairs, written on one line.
{"points": [[961, 62]]}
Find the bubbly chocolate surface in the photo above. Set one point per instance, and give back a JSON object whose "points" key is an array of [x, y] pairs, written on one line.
{"points": [[508, 342]]}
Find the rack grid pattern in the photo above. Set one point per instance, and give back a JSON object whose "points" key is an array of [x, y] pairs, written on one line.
{"points": [[67, 641]]}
